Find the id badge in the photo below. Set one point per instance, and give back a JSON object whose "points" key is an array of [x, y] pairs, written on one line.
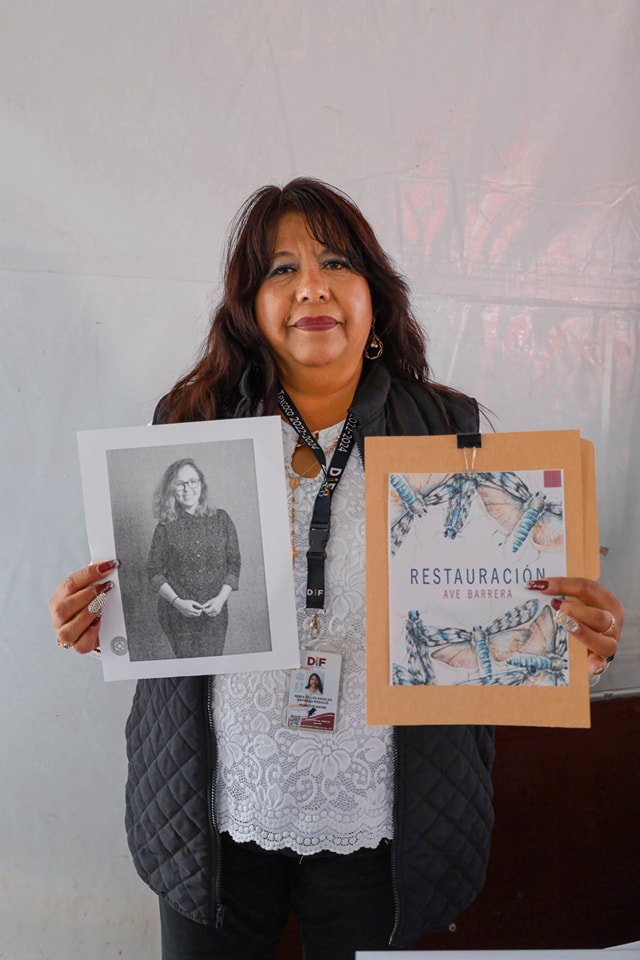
{"points": [[312, 702]]}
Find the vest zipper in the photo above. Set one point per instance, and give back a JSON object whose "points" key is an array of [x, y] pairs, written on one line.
{"points": [[394, 841]]}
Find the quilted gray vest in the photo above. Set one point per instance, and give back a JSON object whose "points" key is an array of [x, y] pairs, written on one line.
{"points": [[443, 812]]}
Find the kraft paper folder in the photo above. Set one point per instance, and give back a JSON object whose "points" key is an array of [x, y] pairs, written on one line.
{"points": [[406, 547]]}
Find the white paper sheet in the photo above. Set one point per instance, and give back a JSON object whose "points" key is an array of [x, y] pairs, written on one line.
{"points": [[242, 462]]}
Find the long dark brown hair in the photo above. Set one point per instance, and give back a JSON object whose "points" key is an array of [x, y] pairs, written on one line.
{"points": [[235, 341]]}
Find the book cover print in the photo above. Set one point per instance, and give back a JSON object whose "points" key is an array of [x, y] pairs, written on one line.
{"points": [[462, 547]]}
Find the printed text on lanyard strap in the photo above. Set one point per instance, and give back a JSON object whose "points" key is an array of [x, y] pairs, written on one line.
{"points": [[321, 518]]}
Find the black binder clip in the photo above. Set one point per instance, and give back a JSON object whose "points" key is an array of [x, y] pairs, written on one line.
{"points": [[469, 440], [466, 442]]}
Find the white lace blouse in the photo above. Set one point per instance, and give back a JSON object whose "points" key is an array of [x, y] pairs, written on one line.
{"points": [[308, 790]]}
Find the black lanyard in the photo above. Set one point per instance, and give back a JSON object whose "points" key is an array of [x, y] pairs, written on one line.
{"points": [[321, 518]]}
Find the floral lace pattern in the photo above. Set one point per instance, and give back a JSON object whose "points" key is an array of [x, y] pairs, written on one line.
{"points": [[308, 790]]}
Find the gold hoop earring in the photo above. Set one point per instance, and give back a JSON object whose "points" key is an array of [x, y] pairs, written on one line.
{"points": [[374, 347]]}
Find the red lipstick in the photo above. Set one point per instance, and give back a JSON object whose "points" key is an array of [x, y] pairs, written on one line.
{"points": [[315, 324]]}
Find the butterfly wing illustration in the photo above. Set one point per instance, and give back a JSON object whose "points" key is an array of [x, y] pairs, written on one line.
{"points": [[521, 646], [412, 499], [521, 514], [539, 670], [504, 496], [399, 530], [400, 676], [538, 650], [418, 655], [524, 645], [525, 628], [474, 649], [420, 669], [548, 532], [453, 646]]}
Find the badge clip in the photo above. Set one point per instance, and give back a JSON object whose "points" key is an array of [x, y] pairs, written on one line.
{"points": [[466, 442]]}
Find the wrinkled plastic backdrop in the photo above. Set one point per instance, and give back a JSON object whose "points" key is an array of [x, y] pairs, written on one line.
{"points": [[494, 146]]}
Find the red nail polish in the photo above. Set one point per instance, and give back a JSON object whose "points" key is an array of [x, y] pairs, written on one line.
{"points": [[103, 587], [537, 585], [556, 603], [108, 565]]}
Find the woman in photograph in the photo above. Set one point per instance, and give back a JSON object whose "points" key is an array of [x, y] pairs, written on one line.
{"points": [[194, 562], [371, 835], [314, 684]]}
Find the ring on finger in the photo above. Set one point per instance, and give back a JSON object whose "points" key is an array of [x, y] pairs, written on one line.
{"points": [[64, 645], [98, 602], [564, 620], [608, 632]]}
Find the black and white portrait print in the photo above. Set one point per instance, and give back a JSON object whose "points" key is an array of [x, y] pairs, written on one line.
{"points": [[187, 533]]}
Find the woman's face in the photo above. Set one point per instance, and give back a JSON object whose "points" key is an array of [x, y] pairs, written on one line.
{"points": [[187, 488], [313, 309], [314, 681]]}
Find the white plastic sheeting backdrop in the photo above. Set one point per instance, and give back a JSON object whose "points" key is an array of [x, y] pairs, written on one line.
{"points": [[493, 144]]}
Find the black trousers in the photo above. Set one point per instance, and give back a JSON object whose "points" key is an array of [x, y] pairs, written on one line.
{"points": [[342, 903]]}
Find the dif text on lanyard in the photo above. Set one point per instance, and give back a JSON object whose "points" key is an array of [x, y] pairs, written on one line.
{"points": [[321, 518]]}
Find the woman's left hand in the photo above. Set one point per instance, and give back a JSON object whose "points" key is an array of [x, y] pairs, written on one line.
{"points": [[590, 612], [213, 607]]}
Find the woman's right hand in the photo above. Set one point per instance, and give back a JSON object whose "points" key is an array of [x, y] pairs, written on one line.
{"points": [[78, 626]]}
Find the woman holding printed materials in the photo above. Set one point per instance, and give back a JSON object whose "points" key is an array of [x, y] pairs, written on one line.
{"points": [[314, 324]]}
